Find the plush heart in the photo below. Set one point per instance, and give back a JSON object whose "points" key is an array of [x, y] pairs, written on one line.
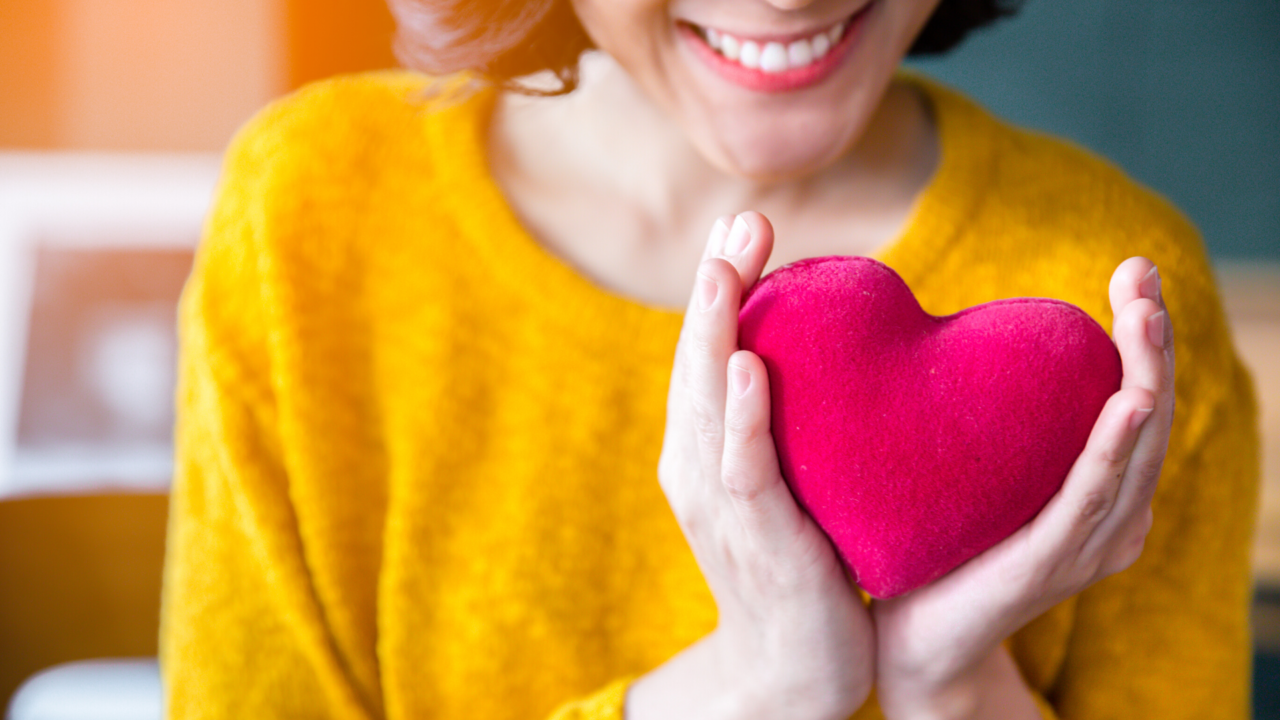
{"points": [[917, 442]]}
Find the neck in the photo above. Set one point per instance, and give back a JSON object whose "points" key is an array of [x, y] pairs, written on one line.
{"points": [[605, 155]]}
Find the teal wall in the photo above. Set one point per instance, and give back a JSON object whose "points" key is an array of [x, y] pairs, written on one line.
{"points": [[1184, 94]]}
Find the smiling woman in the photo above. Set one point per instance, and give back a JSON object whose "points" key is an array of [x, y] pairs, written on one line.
{"points": [[436, 460], [509, 39]]}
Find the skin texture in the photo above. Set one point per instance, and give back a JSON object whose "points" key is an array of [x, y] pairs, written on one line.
{"points": [[763, 136], [620, 180], [606, 162]]}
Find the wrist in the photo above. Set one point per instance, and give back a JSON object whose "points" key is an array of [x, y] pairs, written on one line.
{"points": [[756, 701], [959, 700], [993, 688], [752, 688]]}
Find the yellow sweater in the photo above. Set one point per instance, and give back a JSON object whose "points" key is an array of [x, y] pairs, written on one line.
{"points": [[416, 453]]}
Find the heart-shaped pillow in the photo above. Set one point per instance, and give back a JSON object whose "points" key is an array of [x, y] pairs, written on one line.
{"points": [[917, 442]]}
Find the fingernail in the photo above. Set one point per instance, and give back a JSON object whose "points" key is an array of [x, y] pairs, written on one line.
{"points": [[1155, 329], [1139, 416], [739, 380], [1149, 285], [708, 289], [739, 237], [715, 240]]}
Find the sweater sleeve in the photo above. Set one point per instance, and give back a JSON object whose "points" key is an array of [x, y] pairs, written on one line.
{"points": [[607, 704], [1169, 637], [242, 633]]}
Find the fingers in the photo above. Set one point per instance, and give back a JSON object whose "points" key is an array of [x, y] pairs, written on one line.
{"points": [[1128, 543], [1135, 483], [712, 325], [1143, 331], [1134, 278], [681, 441], [748, 245], [1089, 494], [719, 233], [736, 252], [714, 247], [749, 470], [1144, 336], [1103, 511], [745, 241]]}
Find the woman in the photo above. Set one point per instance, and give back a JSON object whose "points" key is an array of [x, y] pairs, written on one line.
{"points": [[435, 460]]}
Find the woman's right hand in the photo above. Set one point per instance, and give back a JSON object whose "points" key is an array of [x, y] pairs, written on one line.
{"points": [[794, 639]]}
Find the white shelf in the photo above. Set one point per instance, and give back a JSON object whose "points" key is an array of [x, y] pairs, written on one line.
{"points": [[83, 469]]}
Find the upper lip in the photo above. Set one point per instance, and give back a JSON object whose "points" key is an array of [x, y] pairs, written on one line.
{"points": [[767, 37]]}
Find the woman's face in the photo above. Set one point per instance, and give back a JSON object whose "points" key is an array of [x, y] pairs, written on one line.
{"points": [[768, 89]]}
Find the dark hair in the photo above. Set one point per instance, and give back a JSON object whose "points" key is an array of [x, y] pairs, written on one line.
{"points": [[502, 40]]}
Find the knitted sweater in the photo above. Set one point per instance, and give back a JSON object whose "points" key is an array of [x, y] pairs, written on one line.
{"points": [[416, 471]]}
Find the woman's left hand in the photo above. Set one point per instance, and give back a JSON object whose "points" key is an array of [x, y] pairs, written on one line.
{"points": [[939, 652]]}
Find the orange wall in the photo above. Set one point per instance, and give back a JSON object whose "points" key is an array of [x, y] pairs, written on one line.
{"points": [[326, 37], [136, 75], [164, 74], [28, 67], [168, 74]]}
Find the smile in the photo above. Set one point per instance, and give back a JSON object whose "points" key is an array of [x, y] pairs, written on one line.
{"points": [[774, 57], [774, 63]]}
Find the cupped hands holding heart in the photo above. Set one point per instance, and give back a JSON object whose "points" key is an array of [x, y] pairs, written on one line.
{"points": [[794, 638]]}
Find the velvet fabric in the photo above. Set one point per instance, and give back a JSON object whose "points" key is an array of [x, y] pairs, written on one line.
{"points": [[916, 442]]}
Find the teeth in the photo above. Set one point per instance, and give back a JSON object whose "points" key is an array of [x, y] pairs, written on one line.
{"points": [[821, 44], [800, 53], [730, 47], [774, 57]]}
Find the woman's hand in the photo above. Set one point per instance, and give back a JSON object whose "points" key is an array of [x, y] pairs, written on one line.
{"points": [[794, 639], [938, 648]]}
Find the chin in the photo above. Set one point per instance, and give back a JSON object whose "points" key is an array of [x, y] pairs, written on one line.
{"points": [[769, 153]]}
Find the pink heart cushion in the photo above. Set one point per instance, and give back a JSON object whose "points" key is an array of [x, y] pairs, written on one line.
{"points": [[917, 442]]}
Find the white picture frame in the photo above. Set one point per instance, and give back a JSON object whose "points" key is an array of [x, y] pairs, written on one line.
{"points": [[90, 201]]}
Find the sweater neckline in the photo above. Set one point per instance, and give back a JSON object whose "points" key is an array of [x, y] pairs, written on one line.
{"points": [[458, 143]]}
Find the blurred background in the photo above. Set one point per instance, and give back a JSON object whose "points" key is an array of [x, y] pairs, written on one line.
{"points": [[113, 114]]}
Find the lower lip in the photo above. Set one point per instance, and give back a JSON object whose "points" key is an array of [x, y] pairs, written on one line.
{"points": [[787, 80]]}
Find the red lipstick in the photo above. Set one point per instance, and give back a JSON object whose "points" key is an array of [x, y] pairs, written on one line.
{"points": [[785, 80]]}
